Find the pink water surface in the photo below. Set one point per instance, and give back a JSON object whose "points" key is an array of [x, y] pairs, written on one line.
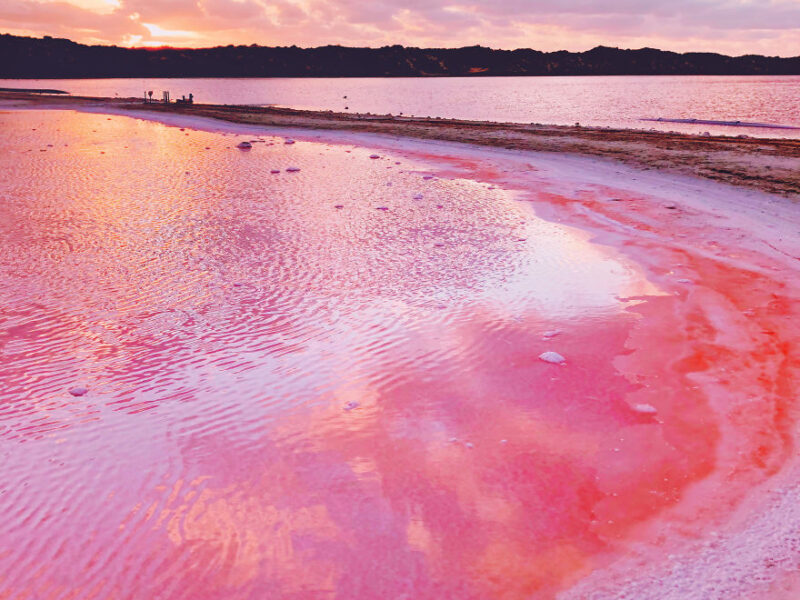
{"points": [[315, 385]]}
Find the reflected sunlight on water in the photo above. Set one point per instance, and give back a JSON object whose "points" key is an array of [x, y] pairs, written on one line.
{"points": [[290, 399]]}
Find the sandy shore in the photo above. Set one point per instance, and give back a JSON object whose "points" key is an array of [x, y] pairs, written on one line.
{"points": [[770, 165]]}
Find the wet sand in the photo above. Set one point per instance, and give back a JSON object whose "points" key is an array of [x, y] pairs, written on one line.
{"points": [[769, 165], [327, 383]]}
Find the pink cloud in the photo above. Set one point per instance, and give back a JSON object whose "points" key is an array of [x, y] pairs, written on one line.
{"points": [[725, 25]]}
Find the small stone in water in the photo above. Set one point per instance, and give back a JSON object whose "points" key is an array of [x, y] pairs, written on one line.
{"points": [[274, 171], [685, 281], [382, 208], [292, 169], [469, 445], [426, 177], [78, 390], [418, 197], [552, 357], [289, 142], [645, 409], [244, 145], [374, 156], [351, 405], [339, 206], [551, 334]]}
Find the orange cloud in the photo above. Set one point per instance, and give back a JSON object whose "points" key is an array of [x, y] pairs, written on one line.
{"points": [[726, 26]]}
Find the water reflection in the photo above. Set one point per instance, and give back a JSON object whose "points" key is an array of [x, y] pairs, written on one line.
{"points": [[288, 399]]}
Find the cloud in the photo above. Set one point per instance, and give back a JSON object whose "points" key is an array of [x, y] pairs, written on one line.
{"points": [[733, 26]]}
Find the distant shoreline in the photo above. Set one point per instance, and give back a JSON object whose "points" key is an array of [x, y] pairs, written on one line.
{"points": [[58, 58], [767, 164]]}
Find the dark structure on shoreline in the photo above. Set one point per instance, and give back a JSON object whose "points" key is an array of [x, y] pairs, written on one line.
{"points": [[25, 57]]}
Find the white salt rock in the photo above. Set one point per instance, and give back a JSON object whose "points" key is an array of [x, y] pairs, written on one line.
{"points": [[685, 281], [469, 445], [645, 409], [552, 357], [292, 169], [78, 390], [551, 334], [374, 156], [351, 405], [244, 145]]}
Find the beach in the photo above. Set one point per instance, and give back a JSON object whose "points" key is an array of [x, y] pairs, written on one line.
{"points": [[368, 356], [771, 165]]}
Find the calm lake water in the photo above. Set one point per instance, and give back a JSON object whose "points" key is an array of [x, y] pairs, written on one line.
{"points": [[312, 370], [599, 101]]}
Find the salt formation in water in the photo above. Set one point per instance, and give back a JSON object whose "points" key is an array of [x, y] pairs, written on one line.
{"points": [[552, 357], [645, 409], [292, 169], [78, 390], [244, 145]]}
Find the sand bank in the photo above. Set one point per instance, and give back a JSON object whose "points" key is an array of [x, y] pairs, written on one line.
{"points": [[771, 165]]}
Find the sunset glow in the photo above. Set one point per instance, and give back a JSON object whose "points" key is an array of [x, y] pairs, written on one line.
{"points": [[728, 26]]}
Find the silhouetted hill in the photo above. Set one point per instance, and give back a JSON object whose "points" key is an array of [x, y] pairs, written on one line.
{"points": [[48, 57]]}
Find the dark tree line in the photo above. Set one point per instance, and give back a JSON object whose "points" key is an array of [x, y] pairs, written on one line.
{"points": [[22, 57]]}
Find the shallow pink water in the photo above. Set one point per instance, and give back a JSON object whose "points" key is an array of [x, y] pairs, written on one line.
{"points": [[315, 385]]}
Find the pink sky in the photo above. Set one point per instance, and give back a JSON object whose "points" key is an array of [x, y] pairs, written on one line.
{"points": [[730, 26]]}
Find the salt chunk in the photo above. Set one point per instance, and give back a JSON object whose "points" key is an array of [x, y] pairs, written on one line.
{"points": [[374, 156], [351, 405], [551, 334], [339, 206], [645, 409], [78, 390], [292, 169], [382, 207], [418, 197], [289, 142], [244, 145], [552, 357], [685, 281], [274, 171]]}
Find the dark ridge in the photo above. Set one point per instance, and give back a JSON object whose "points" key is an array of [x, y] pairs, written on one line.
{"points": [[26, 57], [33, 90]]}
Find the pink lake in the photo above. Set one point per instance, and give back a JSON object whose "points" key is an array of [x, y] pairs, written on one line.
{"points": [[326, 383]]}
